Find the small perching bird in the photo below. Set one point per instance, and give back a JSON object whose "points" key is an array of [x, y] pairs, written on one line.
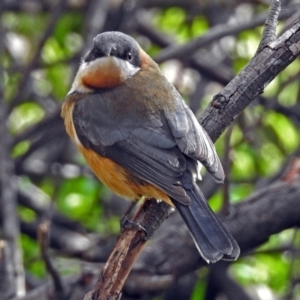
{"points": [[141, 139]]}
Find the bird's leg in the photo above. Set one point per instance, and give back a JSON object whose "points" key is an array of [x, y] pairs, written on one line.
{"points": [[126, 223], [125, 219]]}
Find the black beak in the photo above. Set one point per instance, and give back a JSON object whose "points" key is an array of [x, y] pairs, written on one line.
{"points": [[105, 50], [90, 56]]}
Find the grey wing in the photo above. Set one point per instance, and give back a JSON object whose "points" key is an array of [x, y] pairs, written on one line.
{"points": [[192, 139], [159, 167], [146, 148]]}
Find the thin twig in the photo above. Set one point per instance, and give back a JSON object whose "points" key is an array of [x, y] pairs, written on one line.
{"points": [[269, 32], [216, 33], [43, 237], [150, 215]]}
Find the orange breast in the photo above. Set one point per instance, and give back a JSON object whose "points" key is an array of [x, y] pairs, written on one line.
{"points": [[112, 175]]}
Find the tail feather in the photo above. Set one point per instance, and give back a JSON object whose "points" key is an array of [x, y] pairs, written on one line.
{"points": [[212, 239]]}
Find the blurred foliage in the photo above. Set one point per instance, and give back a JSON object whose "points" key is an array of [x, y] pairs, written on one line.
{"points": [[261, 141]]}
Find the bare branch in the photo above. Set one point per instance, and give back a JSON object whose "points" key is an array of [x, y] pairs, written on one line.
{"points": [[151, 214], [216, 33], [269, 33], [250, 82], [43, 237]]}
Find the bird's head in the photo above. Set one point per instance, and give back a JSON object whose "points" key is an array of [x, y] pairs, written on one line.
{"points": [[114, 58]]}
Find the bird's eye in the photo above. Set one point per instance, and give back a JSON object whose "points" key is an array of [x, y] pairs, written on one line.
{"points": [[129, 56]]}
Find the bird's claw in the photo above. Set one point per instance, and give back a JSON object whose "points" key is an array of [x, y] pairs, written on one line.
{"points": [[125, 223]]}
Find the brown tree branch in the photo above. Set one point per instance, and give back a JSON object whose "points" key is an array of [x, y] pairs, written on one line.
{"points": [[151, 214]]}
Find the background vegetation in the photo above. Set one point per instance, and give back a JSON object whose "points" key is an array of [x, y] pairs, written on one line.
{"points": [[44, 178]]}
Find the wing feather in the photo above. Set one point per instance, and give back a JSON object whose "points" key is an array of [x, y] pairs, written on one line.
{"points": [[192, 139]]}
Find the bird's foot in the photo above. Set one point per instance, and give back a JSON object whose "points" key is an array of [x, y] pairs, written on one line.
{"points": [[125, 223]]}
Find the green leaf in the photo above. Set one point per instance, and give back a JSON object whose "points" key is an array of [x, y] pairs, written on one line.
{"points": [[285, 131], [25, 115]]}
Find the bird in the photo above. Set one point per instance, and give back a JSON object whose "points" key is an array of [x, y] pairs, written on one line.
{"points": [[141, 139]]}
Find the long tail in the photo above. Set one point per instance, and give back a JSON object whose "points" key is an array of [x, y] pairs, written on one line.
{"points": [[212, 239]]}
